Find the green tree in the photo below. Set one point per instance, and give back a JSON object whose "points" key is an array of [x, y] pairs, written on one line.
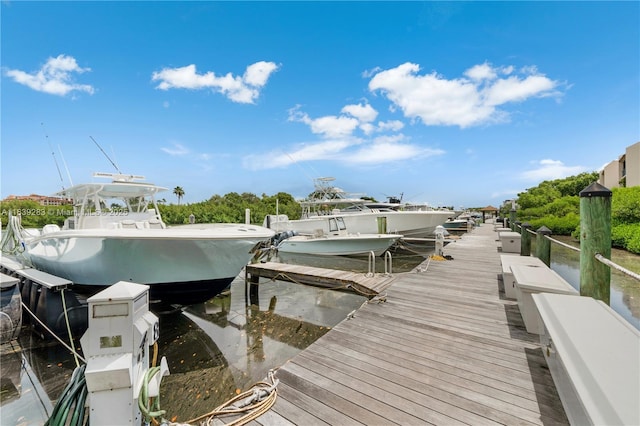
{"points": [[178, 192], [556, 205]]}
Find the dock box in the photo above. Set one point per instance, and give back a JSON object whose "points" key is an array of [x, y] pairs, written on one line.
{"points": [[536, 279], [510, 242], [592, 353], [509, 260]]}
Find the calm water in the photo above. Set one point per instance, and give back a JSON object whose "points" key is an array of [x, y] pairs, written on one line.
{"points": [[214, 350], [625, 291], [222, 347]]}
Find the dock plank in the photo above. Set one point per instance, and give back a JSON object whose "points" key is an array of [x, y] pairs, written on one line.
{"points": [[369, 285], [445, 348]]}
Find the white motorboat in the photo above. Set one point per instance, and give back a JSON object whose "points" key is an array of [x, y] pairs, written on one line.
{"points": [[363, 216], [330, 237], [100, 245]]}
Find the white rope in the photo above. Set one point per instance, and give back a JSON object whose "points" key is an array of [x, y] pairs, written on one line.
{"points": [[563, 244], [52, 333], [609, 263], [66, 320]]}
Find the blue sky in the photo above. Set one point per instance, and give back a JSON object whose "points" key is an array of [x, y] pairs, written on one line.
{"points": [[448, 103]]}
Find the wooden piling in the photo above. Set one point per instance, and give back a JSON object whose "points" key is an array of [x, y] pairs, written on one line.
{"points": [[543, 245], [525, 240], [595, 237]]}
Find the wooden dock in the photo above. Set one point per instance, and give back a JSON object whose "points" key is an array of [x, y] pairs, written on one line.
{"points": [[445, 348], [358, 281]]}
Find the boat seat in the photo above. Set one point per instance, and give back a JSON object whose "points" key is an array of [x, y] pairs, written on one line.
{"points": [[50, 228], [155, 223], [128, 224]]}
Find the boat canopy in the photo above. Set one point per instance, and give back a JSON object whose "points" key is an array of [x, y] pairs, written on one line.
{"points": [[122, 186]]}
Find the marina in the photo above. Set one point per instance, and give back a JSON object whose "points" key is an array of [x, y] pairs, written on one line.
{"points": [[445, 348], [440, 344]]}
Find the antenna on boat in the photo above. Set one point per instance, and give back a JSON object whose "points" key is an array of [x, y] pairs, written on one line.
{"points": [[65, 166], [46, 136], [105, 154]]}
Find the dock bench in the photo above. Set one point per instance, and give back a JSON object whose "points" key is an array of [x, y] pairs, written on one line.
{"points": [[509, 260], [510, 241], [536, 279], [593, 355]]}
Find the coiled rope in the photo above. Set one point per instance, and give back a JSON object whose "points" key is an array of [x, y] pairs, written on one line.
{"points": [[12, 241], [254, 402]]}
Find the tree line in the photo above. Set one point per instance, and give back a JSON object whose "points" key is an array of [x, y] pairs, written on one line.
{"points": [[556, 205]]}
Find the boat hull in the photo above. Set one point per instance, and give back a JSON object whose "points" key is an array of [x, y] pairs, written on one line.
{"points": [[456, 225], [410, 224], [351, 245], [191, 263]]}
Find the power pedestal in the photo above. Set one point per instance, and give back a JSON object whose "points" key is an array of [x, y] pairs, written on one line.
{"points": [[440, 240], [116, 346]]}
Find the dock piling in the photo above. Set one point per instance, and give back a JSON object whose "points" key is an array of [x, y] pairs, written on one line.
{"points": [[595, 238]]}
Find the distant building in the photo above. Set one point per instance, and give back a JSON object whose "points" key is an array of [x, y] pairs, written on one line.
{"points": [[625, 171], [43, 200]]}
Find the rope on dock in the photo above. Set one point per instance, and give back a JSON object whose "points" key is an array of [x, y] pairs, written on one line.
{"points": [[254, 402]]}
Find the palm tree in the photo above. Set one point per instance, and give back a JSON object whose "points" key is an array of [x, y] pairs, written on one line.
{"points": [[179, 192]]}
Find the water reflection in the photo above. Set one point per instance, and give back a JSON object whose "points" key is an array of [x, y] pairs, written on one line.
{"points": [[625, 291], [221, 347]]}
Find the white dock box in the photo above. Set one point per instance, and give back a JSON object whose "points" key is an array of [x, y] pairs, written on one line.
{"points": [[593, 355], [536, 279], [510, 242], [509, 260]]}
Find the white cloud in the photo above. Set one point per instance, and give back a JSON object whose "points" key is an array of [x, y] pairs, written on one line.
{"points": [[514, 89], [353, 117], [329, 149], [364, 113], [177, 150], [551, 169], [240, 89], [481, 72], [257, 74], [378, 143], [468, 101], [329, 126], [388, 151], [352, 151], [391, 125], [56, 77]]}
